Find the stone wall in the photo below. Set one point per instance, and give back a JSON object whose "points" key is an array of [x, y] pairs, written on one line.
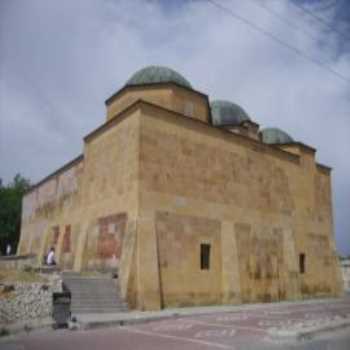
{"points": [[25, 301], [17, 262], [48, 209], [153, 186], [84, 206], [270, 206], [182, 280], [109, 192], [172, 97]]}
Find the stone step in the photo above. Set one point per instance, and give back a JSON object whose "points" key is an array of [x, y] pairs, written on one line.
{"points": [[97, 307], [89, 279], [97, 311], [91, 284], [95, 297], [94, 294], [92, 287], [96, 301], [92, 281]]}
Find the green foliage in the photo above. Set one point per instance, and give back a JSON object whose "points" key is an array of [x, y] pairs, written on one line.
{"points": [[10, 211]]}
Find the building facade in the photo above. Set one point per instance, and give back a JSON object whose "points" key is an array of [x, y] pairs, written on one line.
{"points": [[190, 202]]}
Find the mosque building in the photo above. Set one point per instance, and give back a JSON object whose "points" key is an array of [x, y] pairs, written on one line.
{"points": [[190, 201]]}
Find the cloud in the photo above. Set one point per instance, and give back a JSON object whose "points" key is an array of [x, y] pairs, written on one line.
{"points": [[60, 60]]}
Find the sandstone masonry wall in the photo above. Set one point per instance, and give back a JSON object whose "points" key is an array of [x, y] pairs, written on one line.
{"points": [[268, 205], [189, 214]]}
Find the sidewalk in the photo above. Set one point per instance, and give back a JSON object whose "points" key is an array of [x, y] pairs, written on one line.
{"points": [[282, 321], [297, 330]]}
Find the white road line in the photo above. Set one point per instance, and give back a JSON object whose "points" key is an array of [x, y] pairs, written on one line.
{"points": [[172, 327], [267, 315], [227, 326], [190, 340], [211, 333], [275, 313]]}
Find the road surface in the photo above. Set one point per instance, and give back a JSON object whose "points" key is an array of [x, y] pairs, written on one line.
{"points": [[252, 328]]}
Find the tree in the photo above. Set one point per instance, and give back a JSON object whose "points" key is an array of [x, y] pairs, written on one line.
{"points": [[10, 211]]}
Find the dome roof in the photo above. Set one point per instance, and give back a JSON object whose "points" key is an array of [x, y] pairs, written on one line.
{"points": [[157, 74], [227, 113], [275, 136]]}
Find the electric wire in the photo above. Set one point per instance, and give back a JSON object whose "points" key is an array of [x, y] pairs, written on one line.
{"points": [[283, 19], [278, 40], [321, 20]]}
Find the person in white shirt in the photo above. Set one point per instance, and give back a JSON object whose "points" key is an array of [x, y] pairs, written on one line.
{"points": [[50, 260], [8, 249]]}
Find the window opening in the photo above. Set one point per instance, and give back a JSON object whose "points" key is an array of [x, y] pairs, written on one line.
{"points": [[205, 256], [302, 263]]}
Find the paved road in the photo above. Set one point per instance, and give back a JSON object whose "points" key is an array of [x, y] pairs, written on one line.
{"points": [[247, 329]]}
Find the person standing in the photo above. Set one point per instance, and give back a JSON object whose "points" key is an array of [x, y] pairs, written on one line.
{"points": [[50, 260], [8, 249]]}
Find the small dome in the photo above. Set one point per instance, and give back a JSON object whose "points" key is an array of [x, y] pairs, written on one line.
{"points": [[157, 74], [275, 136], [227, 113]]}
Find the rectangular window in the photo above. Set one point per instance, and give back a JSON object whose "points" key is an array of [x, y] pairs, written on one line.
{"points": [[66, 240], [302, 263], [56, 234], [205, 256]]}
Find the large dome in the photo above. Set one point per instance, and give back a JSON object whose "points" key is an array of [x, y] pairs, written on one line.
{"points": [[275, 136], [227, 113], [157, 74]]}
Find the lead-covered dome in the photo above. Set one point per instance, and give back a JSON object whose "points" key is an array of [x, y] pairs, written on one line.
{"points": [[157, 74], [227, 113], [274, 136]]}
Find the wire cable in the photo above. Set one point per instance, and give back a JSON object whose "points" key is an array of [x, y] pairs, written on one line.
{"points": [[283, 19], [279, 41], [321, 20]]}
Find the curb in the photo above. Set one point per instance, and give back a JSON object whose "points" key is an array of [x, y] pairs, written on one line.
{"points": [[129, 318], [27, 327], [95, 321], [120, 323]]}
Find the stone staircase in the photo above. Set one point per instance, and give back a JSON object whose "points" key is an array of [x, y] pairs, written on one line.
{"points": [[93, 295]]}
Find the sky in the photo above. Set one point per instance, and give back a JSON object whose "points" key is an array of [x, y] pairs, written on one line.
{"points": [[60, 60]]}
